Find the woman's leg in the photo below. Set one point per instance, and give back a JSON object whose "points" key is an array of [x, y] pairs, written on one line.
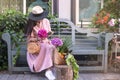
{"points": [[50, 74]]}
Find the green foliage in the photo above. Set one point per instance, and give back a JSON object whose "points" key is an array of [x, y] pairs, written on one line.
{"points": [[103, 17], [112, 7], [16, 56], [66, 45], [50, 15], [13, 22], [70, 60], [3, 55]]}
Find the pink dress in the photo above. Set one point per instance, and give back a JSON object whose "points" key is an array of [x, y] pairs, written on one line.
{"points": [[43, 60]]}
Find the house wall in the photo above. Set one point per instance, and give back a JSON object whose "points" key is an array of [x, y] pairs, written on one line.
{"points": [[64, 9]]}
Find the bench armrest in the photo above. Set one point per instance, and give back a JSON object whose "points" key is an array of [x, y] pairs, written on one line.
{"points": [[7, 38]]}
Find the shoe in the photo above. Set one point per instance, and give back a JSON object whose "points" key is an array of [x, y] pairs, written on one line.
{"points": [[49, 74]]}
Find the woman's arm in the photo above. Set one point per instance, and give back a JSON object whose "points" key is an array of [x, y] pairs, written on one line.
{"points": [[46, 24]]}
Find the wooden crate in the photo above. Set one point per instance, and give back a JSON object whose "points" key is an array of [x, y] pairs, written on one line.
{"points": [[64, 72]]}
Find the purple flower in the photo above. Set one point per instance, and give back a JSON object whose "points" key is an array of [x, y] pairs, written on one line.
{"points": [[42, 33], [57, 42]]}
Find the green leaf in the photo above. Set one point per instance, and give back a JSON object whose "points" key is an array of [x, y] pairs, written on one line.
{"points": [[70, 60]]}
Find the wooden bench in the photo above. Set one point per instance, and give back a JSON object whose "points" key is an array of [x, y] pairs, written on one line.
{"points": [[92, 44], [83, 42]]}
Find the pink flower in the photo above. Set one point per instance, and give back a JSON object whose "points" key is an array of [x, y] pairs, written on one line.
{"points": [[111, 22], [42, 33]]}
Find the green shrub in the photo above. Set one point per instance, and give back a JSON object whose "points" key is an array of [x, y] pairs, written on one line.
{"points": [[3, 55], [13, 22]]}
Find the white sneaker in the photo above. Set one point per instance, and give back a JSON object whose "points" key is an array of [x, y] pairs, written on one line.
{"points": [[49, 74]]}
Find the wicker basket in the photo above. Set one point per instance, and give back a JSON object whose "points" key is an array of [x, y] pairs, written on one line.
{"points": [[33, 47]]}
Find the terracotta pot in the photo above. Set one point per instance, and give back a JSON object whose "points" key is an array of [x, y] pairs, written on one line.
{"points": [[58, 58]]}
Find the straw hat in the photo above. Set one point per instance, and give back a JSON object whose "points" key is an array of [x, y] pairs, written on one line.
{"points": [[37, 13]]}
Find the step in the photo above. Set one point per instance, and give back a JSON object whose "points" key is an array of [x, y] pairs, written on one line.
{"points": [[85, 44], [87, 52], [86, 40], [85, 37], [84, 48]]}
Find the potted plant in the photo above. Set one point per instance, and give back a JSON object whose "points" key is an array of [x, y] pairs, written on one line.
{"points": [[62, 50], [63, 54]]}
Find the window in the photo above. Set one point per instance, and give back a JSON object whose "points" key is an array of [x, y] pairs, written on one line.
{"points": [[22, 5], [11, 4], [85, 9]]}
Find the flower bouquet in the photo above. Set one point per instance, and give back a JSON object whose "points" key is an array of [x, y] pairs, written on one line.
{"points": [[42, 33]]}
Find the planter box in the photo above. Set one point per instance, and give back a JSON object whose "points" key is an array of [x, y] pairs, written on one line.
{"points": [[64, 72]]}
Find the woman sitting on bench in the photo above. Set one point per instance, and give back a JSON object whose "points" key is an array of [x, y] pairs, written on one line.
{"points": [[43, 60]]}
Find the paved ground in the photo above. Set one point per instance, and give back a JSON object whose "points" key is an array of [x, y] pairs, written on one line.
{"points": [[99, 76], [83, 76]]}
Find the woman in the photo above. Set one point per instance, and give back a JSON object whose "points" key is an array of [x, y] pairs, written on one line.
{"points": [[43, 60]]}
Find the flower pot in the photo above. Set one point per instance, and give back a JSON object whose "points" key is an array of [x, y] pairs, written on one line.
{"points": [[59, 59]]}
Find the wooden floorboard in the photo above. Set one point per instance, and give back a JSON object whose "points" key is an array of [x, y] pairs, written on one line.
{"points": [[82, 76]]}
